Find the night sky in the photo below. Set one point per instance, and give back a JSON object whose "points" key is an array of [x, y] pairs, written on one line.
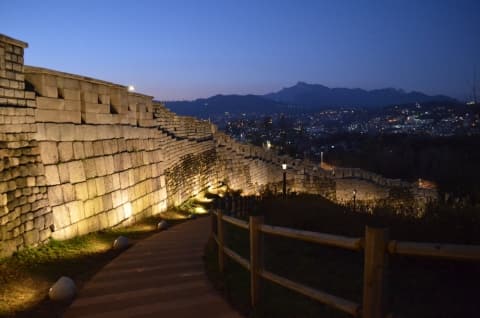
{"points": [[192, 49]]}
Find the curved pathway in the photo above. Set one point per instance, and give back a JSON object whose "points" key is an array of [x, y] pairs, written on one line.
{"points": [[161, 276]]}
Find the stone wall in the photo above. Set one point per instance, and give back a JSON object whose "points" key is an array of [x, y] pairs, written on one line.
{"points": [[81, 154], [24, 212]]}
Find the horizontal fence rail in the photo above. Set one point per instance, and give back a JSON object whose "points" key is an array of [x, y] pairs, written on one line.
{"points": [[435, 250], [339, 303], [376, 247], [314, 237]]}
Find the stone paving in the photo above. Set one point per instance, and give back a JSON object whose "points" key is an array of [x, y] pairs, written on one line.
{"points": [[162, 276]]}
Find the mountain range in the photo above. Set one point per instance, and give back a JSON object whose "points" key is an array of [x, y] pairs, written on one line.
{"points": [[301, 97]]}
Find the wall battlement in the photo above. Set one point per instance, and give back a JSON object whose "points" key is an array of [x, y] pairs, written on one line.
{"points": [[80, 154]]}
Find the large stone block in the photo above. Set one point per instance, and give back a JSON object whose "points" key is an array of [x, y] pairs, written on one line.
{"points": [[95, 108], [73, 105], [68, 192], [65, 150], [51, 174], [76, 171], [60, 116], [61, 217], [75, 209], [48, 152], [78, 150], [55, 195], [50, 103], [81, 191], [89, 97], [70, 94], [92, 188]]}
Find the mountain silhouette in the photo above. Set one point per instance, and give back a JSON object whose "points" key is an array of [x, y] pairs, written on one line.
{"points": [[319, 96], [301, 97]]}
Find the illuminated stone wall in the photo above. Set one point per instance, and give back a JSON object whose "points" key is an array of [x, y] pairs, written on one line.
{"points": [[24, 212]]}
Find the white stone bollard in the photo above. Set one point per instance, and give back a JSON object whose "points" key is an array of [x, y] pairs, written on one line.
{"points": [[63, 290], [162, 225], [121, 243]]}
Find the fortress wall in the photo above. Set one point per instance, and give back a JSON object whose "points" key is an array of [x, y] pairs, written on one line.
{"points": [[24, 211], [112, 157]]}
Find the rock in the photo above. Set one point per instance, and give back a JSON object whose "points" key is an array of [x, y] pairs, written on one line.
{"points": [[121, 243], [63, 290], [162, 225]]}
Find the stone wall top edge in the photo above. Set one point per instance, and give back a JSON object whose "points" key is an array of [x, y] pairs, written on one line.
{"points": [[40, 70], [7, 39]]}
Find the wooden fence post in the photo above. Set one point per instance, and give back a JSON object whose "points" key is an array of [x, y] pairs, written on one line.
{"points": [[221, 259], [375, 273], [256, 259], [234, 206]]}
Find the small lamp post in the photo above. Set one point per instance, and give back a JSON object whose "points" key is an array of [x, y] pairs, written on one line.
{"points": [[354, 198], [284, 168]]}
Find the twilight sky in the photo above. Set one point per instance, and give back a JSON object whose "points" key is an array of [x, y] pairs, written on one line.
{"points": [[191, 49]]}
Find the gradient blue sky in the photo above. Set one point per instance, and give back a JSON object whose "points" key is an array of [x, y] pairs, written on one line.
{"points": [[191, 49]]}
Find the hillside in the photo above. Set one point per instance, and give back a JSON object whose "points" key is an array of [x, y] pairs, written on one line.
{"points": [[316, 96]]}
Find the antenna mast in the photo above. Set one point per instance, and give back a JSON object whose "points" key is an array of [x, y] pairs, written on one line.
{"points": [[475, 86]]}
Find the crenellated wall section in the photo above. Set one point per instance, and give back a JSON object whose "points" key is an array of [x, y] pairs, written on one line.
{"points": [[80, 154]]}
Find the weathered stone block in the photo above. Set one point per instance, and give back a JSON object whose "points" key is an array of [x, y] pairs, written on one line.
{"points": [[31, 237], [63, 172], [50, 103], [70, 94], [76, 171], [100, 166], [55, 195], [92, 188], [90, 168], [78, 151], [61, 217], [73, 105], [51, 174], [65, 150], [48, 152], [61, 116], [100, 184], [89, 97], [81, 191], [75, 209], [95, 108], [68, 192]]}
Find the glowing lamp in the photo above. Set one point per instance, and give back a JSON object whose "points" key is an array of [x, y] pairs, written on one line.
{"points": [[284, 166], [131, 88]]}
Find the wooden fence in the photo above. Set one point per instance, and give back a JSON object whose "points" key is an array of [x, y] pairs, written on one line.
{"points": [[375, 245]]}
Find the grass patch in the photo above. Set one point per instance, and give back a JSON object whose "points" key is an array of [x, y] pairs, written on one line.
{"points": [[418, 287], [26, 276]]}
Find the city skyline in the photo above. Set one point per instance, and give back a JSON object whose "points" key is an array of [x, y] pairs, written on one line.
{"points": [[188, 50]]}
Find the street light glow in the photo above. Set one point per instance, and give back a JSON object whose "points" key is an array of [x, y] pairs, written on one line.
{"points": [[284, 166], [131, 88]]}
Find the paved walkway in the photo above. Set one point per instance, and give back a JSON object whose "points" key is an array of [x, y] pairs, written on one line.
{"points": [[162, 276]]}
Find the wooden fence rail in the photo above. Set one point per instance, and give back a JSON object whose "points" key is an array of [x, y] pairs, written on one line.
{"points": [[375, 245]]}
